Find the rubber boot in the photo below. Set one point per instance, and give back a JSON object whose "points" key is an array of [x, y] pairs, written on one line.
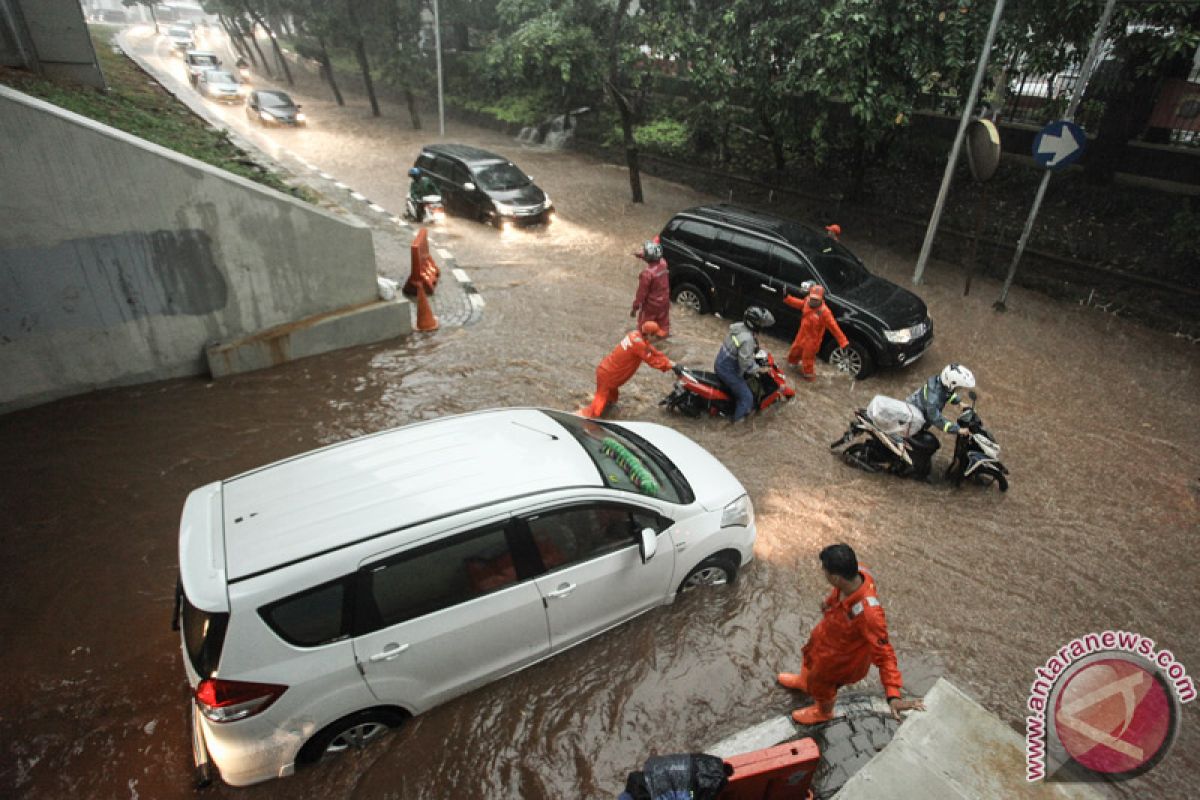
{"points": [[791, 680], [814, 714]]}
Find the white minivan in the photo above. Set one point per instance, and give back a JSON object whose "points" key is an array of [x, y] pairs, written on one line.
{"points": [[329, 596]]}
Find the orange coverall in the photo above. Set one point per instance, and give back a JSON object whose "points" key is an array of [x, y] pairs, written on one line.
{"points": [[619, 366], [813, 324], [850, 637]]}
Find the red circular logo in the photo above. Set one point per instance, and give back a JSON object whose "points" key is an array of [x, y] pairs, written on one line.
{"points": [[1113, 716]]}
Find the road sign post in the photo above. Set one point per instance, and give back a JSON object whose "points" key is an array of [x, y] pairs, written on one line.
{"points": [[1051, 145]]}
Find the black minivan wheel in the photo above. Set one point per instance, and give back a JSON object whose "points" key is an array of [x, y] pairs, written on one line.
{"points": [[689, 295], [352, 732], [855, 360]]}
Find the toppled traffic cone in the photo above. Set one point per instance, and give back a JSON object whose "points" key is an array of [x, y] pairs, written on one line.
{"points": [[426, 321]]}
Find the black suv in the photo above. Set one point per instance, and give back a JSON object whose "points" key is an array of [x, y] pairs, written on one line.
{"points": [[481, 185], [725, 259]]}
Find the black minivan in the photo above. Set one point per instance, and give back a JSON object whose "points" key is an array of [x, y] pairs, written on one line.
{"points": [[723, 258], [484, 186]]}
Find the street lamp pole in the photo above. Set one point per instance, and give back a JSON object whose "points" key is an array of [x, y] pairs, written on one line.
{"points": [[968, 110], [437, 39]]}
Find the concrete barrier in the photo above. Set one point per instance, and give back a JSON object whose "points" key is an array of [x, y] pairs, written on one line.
{"points": [[122, 261]]}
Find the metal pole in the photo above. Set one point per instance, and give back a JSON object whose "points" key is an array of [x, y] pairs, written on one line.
{"points": [[931, 231], [437, 39], [1085, 73]]}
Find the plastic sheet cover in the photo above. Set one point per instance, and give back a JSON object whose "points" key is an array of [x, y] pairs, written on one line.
{"points": [[895, 417]]}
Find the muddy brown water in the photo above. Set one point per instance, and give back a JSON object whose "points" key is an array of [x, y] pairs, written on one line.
{"points": [[1098, 418]]}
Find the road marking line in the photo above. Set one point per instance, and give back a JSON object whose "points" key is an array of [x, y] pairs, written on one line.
{"points": [[459, 275], [325, 175], [445, 253], [476, 300], [377, 208], [358, 196], [340, 185]]}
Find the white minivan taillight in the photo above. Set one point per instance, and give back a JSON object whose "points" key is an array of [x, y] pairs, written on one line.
{"points": [[226, 701]]}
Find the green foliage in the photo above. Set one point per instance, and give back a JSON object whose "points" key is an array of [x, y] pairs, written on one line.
{"points": [[664, 135], [1183, 234]]}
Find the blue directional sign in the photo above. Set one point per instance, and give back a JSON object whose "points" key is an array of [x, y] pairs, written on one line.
{"points": [[1058, 144]]}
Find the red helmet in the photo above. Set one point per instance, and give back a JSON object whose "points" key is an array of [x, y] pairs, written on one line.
{"points": [[834, 230], [650, 328]]}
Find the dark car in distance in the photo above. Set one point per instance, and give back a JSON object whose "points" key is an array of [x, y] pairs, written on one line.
{"points": [[725, 259], [270, 107], [484, 186]]}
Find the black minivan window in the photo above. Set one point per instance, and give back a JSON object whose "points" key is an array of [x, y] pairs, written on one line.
{"points": [[437, 576], [695, 234], [313, 617], [203, 636], [748, 251], [789, 267], [840, 269]]}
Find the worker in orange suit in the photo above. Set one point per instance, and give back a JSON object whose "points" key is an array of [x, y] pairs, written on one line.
{"points": [[815, 319], [851, 636], [619, 366]]}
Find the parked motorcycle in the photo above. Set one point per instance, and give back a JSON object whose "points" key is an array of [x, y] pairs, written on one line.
{"points": [[698, 392], [976, 455], [888, 436], [430, 210]]}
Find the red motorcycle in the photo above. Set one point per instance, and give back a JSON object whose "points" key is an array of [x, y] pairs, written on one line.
{"points": [[698, 392]]}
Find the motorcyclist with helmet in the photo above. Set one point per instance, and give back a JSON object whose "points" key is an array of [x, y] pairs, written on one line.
{"points": [[420, 187], [735, 359], [931, 398]]}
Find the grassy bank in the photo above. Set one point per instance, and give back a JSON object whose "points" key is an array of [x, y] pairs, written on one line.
{"points": [[139, 105]]}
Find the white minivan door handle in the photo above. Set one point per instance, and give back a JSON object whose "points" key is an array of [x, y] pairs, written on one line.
{"points": [[390, 651], [563, 590]]}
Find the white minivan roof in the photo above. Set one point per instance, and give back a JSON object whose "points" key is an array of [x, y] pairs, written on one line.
{"points": [[348, 492]]}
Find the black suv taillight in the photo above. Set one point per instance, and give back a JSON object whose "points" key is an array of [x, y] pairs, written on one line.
{"points": [[227, 701]]}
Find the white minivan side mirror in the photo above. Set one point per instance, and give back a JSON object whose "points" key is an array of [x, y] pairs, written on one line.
{"points": [[648, 545]]}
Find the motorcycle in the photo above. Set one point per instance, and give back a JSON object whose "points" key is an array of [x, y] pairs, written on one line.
{"points": [[698, 392], [892, 438], [976, 455], [431, 209]]}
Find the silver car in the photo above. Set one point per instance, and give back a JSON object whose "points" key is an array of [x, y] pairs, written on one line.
{"points": [[217, 84]]}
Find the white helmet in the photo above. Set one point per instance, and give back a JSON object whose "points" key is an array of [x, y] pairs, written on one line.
{"points": [[806, 286], [956, 376]]}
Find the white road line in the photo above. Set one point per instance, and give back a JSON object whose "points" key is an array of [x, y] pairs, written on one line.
{"points": [[340, 185], [445, 253], [378, 209], [325, 175], [397, 220], [476, 300], [459, 275], [358, 196]]}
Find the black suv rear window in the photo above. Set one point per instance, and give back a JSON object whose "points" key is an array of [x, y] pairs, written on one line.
{"points": [[203, 636], [313, 617]]}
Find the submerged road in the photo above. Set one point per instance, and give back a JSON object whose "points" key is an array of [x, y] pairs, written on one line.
{"points": [[1098, 418]]}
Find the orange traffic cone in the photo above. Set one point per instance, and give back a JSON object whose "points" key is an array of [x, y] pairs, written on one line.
{"points": [[426, 321]]}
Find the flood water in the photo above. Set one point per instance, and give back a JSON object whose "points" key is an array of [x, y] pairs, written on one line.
{"points": [[1098, 419]]}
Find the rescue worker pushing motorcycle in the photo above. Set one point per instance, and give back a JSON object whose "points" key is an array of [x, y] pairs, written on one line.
{"points": [[735, 359], [620, 365], [815, 319], [851, 636]]}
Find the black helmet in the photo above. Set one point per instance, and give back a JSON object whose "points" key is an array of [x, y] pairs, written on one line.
{"points": [[757, 318], [415, 172]]}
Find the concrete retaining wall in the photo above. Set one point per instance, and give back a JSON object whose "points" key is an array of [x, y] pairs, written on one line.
{"points": [[120, 261]]}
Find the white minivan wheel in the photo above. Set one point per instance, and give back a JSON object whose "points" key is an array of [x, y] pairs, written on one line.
{"points": [[352, 732]]}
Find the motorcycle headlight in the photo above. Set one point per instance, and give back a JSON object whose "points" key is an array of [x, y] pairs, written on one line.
{"points": [[739, 512], [503, 208]]}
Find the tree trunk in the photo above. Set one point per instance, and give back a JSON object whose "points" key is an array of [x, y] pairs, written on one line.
{"points": [[262, 59], [1128, 104], [327, 68], [360, 52], [622, 102], [279, 59], [776, 143], [413, 112], [235, 41], [154, 18]]}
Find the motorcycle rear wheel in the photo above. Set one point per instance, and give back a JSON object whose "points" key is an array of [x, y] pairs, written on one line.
{"points": [[858, 456]]}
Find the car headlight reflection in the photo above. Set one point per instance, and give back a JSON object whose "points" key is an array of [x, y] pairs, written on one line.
{"points": [[504, 209], [739, 512], [906, 335], [300, 117], [265, 117]]}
